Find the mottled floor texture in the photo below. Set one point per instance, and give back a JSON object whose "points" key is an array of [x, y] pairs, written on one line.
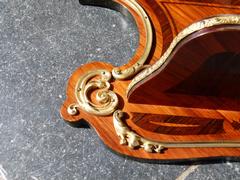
{"points": [[41, 43]]}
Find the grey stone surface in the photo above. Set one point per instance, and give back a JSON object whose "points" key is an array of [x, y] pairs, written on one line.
{"points": [[41, 44]]}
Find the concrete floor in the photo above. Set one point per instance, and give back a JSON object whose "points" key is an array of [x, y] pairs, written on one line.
{"points": [[41, 44]]}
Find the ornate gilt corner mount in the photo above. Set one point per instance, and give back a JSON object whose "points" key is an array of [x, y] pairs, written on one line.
{"points": [[106, 101], [130, 138]]}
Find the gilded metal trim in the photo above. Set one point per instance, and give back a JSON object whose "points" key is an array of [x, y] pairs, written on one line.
{"points": [[107, 100], [135, 68], [133, 140], [128, 137], [218, 20], [73, 109]]}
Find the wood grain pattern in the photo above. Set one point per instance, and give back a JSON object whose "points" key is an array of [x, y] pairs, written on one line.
{"points": [[178, 125], [192, 76], [194, 97]]}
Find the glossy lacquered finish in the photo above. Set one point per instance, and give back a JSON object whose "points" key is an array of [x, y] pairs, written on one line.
{"points": [[189, 108]]}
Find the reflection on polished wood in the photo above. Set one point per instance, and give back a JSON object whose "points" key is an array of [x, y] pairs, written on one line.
{"points": [[188, 107]]}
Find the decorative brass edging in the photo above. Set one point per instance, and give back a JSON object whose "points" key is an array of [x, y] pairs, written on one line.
{"points": [[128, 137], [218, 20], [133, 140], [126, 73], [107, 100]]}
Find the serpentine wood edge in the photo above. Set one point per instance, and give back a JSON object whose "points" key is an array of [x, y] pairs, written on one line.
{"points": [[149, 108]]}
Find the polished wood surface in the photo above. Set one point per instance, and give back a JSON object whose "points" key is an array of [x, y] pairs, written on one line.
{"points": [[191, 76], [105, 128], [194, 97]]}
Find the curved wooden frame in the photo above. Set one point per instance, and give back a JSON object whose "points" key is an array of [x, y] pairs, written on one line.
{"points": [[151, 129], [130, 8]]}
